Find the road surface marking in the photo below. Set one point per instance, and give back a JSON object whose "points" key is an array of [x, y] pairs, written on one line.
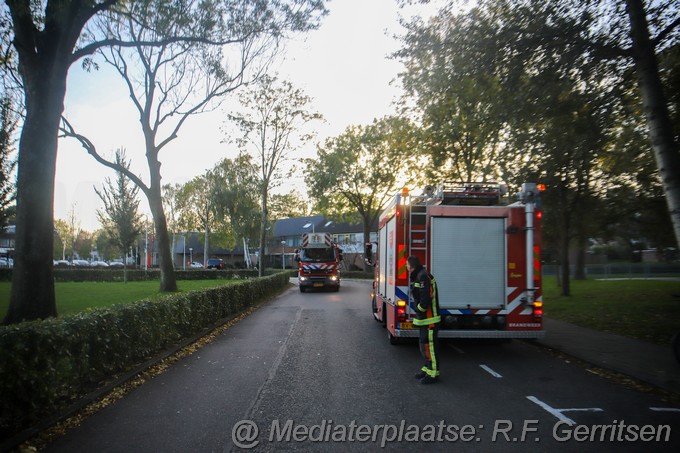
{"points": [[490, 371], [665, 409], [558, 412]]}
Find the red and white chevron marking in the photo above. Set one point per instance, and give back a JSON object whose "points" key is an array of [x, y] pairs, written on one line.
{"points": [[320, 266]]}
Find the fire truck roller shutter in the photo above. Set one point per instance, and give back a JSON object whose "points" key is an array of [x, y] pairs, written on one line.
{"points": [[468, 259]]}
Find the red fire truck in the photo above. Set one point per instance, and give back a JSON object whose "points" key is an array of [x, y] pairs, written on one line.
{"points": [[484, 255], [318, 261]]}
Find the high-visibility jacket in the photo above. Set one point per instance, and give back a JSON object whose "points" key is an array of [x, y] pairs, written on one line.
{"points": [[424, 291]]}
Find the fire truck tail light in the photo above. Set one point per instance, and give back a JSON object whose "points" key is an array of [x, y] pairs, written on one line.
{"points": [[401, 307], [540, 187], [538, 309], [539, 215]]}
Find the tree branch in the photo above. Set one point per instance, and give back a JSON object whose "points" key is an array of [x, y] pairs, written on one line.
{"points": [[665, 32], [68, 131], [115, 42]]}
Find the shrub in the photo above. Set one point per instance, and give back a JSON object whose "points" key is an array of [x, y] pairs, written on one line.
{"points": [[46, 364]]}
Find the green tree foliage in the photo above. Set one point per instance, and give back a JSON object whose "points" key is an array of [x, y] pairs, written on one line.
{"points": [[457, 97], [362, 169], [272, 127], [236, 197], [196, 209], [84, 244], [548, 78], [289, 205], [120, 217], [62, 229]]}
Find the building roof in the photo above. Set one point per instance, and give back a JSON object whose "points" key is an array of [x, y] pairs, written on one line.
{"points": [[298, 225]]}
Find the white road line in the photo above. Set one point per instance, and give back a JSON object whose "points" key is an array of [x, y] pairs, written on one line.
{"points": [[490, 371], [558, 412], [665, 409]]}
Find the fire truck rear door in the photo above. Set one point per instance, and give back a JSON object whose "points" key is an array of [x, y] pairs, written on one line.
{"points": [[468, 260]]}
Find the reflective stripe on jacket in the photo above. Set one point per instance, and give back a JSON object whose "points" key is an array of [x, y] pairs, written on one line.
{"points": [[425, 296]]}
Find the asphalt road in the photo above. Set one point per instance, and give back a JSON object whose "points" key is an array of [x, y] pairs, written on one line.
{"points": [[315, 372]]}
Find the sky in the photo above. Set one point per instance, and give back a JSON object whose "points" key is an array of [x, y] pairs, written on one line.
{"points": [[343, 66]]}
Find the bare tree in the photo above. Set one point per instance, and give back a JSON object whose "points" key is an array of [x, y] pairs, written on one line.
{"points": [[181, 79], [42, 41], [271, 126]]}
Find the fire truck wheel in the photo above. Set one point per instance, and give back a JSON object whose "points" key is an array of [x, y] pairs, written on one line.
{"points": [[393, 340], [302, 289]]}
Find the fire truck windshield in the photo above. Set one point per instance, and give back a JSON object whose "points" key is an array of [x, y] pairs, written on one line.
{"points": [[317, 255]]}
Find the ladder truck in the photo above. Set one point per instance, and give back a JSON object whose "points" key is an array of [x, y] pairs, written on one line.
{"points": [[318, 262], [483, 254]]}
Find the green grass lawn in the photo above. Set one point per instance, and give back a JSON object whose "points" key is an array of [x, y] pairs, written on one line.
{"points": [[73, 297], [648, 310]]}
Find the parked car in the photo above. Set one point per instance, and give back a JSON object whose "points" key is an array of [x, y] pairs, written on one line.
{"points": [[81, 263], [99, 264], [116, 264], [195, 265], [62, 263], [214, 263]]}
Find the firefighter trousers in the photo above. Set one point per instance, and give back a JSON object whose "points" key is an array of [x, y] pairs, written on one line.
{"points": [[429, 349]]}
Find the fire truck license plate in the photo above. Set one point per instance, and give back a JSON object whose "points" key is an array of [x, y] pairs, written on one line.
{"points": [[318, 284], [406, 325]]}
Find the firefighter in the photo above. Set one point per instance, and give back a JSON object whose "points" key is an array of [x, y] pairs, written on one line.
{"points": [[424, 291]]}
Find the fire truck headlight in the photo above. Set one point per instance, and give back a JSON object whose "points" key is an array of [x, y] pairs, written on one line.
{"points": [[500, 320], [303, 279], [334, 278]]}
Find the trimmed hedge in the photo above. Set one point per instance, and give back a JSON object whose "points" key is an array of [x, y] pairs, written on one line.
{"points": [[46, 364], [75, 274]]}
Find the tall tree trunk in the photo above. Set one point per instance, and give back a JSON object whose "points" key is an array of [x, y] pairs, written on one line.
{"points": [[564, 260], [206, 244], [168, 281], [656, 110], [367, 238], [32, 293], [263, 234], [172, 251], [580, 272]]}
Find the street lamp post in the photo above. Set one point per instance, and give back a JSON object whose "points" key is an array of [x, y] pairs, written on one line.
{"points": [[191, 254], [184, 251], [283, 257]]}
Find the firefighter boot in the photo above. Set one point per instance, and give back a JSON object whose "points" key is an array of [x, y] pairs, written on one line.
{"points": [[429, 380], [420, 374]]}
